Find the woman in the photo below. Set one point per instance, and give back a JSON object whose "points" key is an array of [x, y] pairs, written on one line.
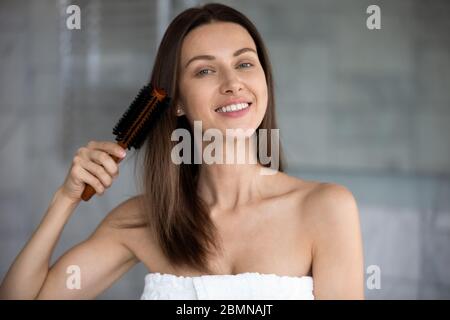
{"points": [[208, 230]]}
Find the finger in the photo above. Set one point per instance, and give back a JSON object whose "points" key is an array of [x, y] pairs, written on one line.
{"points": [[104, 159], [98, 171], [109, 147], [90, 179]]}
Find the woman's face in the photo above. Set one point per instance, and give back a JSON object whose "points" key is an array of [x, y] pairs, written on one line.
{"points": [[220, 72]]}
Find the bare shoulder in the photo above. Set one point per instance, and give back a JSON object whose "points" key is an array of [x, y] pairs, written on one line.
{"points": [[332, 220], [331, 213], [320, 204], [312, 192], [126, 212], [330, 201], [125, 223]]}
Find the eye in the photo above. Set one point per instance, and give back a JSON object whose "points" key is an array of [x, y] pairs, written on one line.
{"points": [[203, 73], [246, 63]]}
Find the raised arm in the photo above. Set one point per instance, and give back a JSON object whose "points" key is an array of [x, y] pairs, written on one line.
{"points": [[92, 266], [25, 278]]}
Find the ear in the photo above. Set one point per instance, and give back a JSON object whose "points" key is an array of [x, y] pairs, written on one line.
{"points": [[179, 111]]}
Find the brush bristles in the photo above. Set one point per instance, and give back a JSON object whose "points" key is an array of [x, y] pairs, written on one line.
{"points": [[135, 123]]}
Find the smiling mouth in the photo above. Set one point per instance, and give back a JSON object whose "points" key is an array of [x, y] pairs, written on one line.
{"points": [[233, 107]]}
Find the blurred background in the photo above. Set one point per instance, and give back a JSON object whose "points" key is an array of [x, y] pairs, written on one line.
{"points": [[368, 109]]}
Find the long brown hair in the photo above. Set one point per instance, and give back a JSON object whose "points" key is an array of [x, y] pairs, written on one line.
{"points": [[175, 214]]}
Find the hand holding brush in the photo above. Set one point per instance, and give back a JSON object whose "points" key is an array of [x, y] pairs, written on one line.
{"points": [[95, 166]]}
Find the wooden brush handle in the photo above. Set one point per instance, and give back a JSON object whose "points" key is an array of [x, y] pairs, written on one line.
{"points": [[89, 191]]}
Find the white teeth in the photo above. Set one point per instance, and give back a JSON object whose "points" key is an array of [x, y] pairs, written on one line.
{"points": [[233, 107]]}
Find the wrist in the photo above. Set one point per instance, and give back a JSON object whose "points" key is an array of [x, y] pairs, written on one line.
{"points": [[61, 197]]}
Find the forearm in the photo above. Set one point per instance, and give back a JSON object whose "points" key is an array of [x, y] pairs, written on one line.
{"points": [[27, 274]]}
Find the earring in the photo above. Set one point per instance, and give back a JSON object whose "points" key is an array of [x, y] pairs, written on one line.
{"points": [[179, 111]]}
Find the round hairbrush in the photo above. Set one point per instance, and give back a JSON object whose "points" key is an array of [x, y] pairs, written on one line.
{"points": [[134, 125]]}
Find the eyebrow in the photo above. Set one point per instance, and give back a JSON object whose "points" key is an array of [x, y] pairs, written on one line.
{"points": [[209, 57]]}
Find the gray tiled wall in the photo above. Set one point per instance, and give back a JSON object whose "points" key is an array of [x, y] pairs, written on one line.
{"points": [[366, 109]]}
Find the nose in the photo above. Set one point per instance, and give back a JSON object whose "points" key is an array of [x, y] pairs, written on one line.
{"points": [[231, 84]]}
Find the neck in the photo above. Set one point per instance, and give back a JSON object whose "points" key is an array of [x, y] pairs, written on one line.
{"points": [[230, 185]]}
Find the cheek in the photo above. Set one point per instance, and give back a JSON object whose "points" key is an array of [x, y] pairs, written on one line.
{"points": [[261, 92], [198, 102], [192, 97]]}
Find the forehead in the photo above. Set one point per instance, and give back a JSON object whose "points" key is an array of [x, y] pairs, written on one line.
{"points": [[217, 38]]}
